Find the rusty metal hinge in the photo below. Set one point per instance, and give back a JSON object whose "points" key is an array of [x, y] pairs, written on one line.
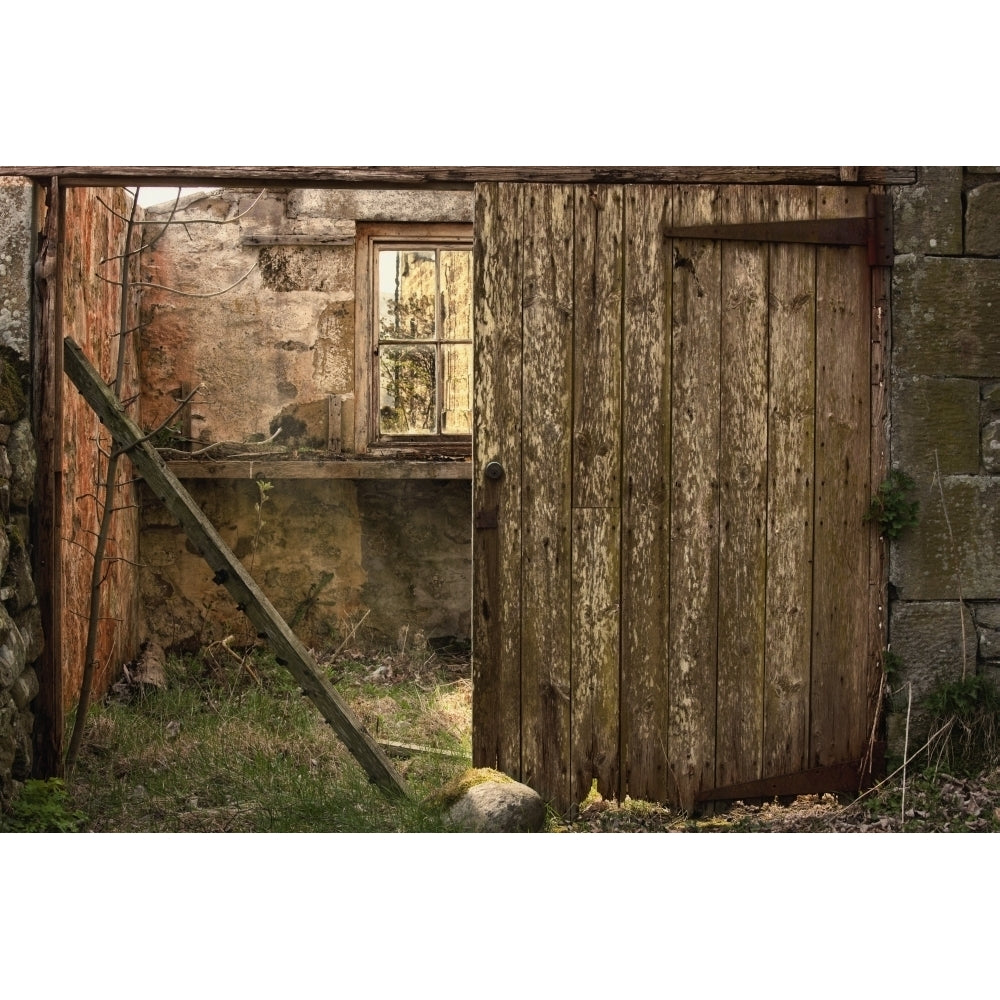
{"points": [[486, 518], [873, 231]]}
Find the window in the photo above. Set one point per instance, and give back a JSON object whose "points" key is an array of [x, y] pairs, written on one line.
{"points": [[417, 316]]}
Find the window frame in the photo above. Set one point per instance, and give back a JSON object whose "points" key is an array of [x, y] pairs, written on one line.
{"points": [[369, 239]]}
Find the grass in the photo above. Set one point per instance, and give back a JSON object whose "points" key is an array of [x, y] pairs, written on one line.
{"points": [[230, 746]]}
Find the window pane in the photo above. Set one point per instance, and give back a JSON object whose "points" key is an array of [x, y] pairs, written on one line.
{"points": [[456, 294], [407, 387], [456, 407], [406, 290]]}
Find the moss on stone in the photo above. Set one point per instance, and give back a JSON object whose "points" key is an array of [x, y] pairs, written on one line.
{"points": [[447, 796], [12, 398]]}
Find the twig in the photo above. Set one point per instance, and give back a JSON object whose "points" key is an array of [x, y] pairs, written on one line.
{"points": [[350, 635], [954, 555], [156, 430], [906, 747], [178, 291]]}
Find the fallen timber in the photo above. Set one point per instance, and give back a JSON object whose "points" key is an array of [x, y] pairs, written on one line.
{"points": [[230, 573]]}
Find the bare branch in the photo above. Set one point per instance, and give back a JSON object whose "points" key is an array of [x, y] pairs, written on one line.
{"points": [[178, 291], [166, 423]]}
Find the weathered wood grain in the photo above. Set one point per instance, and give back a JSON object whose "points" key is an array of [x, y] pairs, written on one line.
{"points": [[646, 415], [597, 304], [546, 488], [742, 491], [596, 571], [694, 503], [47, 529], [843, 468], [497, 273], [230, 573], [791, 437], [596, 553], [878, 561], [451, 177]]}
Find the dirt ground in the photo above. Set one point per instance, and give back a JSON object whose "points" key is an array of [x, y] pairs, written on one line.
{"points": [[934, 803]]}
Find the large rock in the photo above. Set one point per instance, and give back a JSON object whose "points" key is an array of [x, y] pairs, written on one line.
{"points": [[482, 800]]}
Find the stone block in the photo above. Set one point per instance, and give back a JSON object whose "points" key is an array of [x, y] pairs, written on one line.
{"points": [[16, 253], [982, 220], [382, 206], [928, 639], [936, 416], [946, 317], [927, 216], [987, 618], [926, 565], [990, 433]]}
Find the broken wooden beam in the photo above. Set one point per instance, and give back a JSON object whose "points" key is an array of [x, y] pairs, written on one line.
{"points": [[230, 572]]}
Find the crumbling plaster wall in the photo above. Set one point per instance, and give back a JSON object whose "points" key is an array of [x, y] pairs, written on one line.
{"points": [[945, 572], [271, 353]]}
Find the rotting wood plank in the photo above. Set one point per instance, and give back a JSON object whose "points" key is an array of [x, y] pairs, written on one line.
{"points": [[596, 547], [791, 433], [546, 489], [496, 549], [843, 467], [694, 503], [742, 492], [878, 565], [646, 397], [230, 573], [449, 177], [47, 380]]}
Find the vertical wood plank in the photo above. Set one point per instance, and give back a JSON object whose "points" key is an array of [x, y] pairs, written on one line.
{"points": [[596, 488], [596, 629], [47, 529], [646, 415], [742, 491], [878, 565], [496, 605], [694, 504], [791, 438], [843, 468], [546, 489]]}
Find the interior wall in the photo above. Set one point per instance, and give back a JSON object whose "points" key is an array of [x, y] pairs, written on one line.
{"points": [[275, 355]]}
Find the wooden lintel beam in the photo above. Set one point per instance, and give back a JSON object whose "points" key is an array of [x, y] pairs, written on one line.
{"points": [[230, 572], [454, 178]]}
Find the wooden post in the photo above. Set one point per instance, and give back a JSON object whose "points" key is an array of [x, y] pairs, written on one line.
{"points": [[46, 524], [230, 573]]}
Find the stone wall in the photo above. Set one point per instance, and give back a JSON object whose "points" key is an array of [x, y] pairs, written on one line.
{"points": [[20, 624], [270, 355], [945, 573]]}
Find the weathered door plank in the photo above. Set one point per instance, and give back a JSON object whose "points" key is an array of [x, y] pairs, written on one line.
{"points": [[694, 503], [843, 466], [646, 402], [546, 489], [742, 492], [791, 434], [596, 555], [230, 572], [496, 692]]}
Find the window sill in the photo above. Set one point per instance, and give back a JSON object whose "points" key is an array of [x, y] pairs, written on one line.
{"points": [[377, 466]]}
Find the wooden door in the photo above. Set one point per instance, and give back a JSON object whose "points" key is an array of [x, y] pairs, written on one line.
{"points": [[673, 580]]}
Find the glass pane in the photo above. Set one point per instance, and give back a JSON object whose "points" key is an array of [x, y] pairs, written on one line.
{"points": [[406, 290], [456, 294], [406, 390], [456, 407]]}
